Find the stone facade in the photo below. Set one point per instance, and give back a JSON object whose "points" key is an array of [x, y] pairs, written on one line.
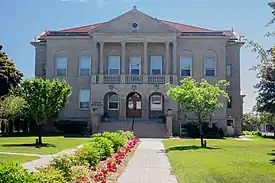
{"points": [[151, 37]]}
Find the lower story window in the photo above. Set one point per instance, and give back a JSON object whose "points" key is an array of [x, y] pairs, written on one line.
{"points": [[156, 102], [113, 101], [84, 99]]}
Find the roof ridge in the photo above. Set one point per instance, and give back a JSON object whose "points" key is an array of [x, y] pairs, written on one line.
{"points": [[168, 21]]}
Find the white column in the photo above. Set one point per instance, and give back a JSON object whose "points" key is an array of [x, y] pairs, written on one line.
{"points": [[175, 57], [123, 43], [101, 60], [145, 64], [167, 58]]}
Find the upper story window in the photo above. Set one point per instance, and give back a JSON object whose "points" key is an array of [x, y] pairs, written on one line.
{"points": [[84, 99], [156, 65], [84, 65], [209, 66], [185, 66], [114, 65], [61, 66], [135, 65], [229, 70]]}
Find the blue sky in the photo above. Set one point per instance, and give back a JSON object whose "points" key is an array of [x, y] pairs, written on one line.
{"points": [[21, 20]]}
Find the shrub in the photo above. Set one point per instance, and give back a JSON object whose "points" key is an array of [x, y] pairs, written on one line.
{"points": [[72, 127], [194, 132], [254, 133], [88, 154], [49, 174], [14, 173], [126, 134], [103, 145], [117, 139], [80, 174], [64, 163]]}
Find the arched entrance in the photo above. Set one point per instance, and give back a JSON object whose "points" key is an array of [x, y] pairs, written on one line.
{"points": [[111, 106], [134, 105], [156, 106]]}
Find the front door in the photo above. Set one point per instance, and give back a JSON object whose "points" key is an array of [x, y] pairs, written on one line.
{"points": [[134, 103]]}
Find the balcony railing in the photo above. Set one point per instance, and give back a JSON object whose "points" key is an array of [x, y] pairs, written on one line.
{"points": [[111, 79], [133, 79], [156, 79]]}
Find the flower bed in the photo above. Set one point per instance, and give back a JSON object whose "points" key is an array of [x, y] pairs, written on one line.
{"points": [[99, 161]]}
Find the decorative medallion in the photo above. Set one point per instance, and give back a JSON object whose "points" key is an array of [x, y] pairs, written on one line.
{"points": [[134, 87], [157, 87], [111, 87]]}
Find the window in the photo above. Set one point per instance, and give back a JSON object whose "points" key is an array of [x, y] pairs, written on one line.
{"points": [[114, 65], [84, 65], [156, 65], [84, 99], [135, 65], [156, 102], [113, 101], [209, 66], [229, 103], [230, 122], [229, 69], [61, 66], [185, 66]]}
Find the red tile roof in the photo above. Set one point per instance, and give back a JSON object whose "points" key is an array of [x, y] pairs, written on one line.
{"points": [[181, 27]]}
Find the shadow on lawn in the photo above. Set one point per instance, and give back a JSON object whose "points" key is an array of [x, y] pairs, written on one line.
{"points": [[186, 148], [268, 137], [272, 161], [28, 145]]}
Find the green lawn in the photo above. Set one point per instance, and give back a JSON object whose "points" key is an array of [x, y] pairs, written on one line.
{"points": [[18, 158], [26, 144], [225, 161]]}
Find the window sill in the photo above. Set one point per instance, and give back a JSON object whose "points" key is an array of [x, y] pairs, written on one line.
{"points": [[113, 109], [84, 109]]}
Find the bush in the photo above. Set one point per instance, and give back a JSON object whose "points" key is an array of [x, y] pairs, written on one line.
{"points": [[80, 173], [254, 133], [64, 163], [194, 132], [103, 145], [49, 174], [126, 134], [117, 139], [71, 127], [88, 154], [14, 173]]}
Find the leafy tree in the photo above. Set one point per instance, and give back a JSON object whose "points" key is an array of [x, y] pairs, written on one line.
{"points": [[9, 75], [201, 98], [45, 98], [251, 118], [11, 107], [266, 71]]}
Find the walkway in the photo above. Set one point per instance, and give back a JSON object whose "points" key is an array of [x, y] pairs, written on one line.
{"points": [[43, 160], [149, 164]]}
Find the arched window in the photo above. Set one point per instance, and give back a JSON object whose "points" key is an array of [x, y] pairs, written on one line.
{"points": [[112, 101], [156, 102]]}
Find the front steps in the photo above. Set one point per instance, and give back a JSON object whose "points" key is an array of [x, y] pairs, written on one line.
{"points": [[141, 129]]}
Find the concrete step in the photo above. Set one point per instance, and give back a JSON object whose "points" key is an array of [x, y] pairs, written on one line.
{"points": [[144, 130]]}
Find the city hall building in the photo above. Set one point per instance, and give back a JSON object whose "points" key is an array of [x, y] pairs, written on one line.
{"points": [[118, 69]]}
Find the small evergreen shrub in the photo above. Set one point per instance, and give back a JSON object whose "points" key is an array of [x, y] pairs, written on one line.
{"points": [[49, 174], [254, 133], [71, 127], [117, 139], [14, 173], [64, 163], [126, 134], [103, 145], [88, 154]]}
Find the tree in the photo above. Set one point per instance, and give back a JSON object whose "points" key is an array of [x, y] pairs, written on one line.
{"points": [[45, 98], [11, 107], [9, 75], [201, 98], [251, 118], [266, 71]]}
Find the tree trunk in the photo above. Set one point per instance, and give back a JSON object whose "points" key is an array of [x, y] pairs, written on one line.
{"points": [[40, 131], [201, 135]]}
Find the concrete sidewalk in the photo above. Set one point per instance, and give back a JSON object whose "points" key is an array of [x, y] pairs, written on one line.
{"points": [[149, 164]]}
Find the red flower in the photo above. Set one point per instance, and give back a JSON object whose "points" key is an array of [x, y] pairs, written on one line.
{"points": [[103, 181]]}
